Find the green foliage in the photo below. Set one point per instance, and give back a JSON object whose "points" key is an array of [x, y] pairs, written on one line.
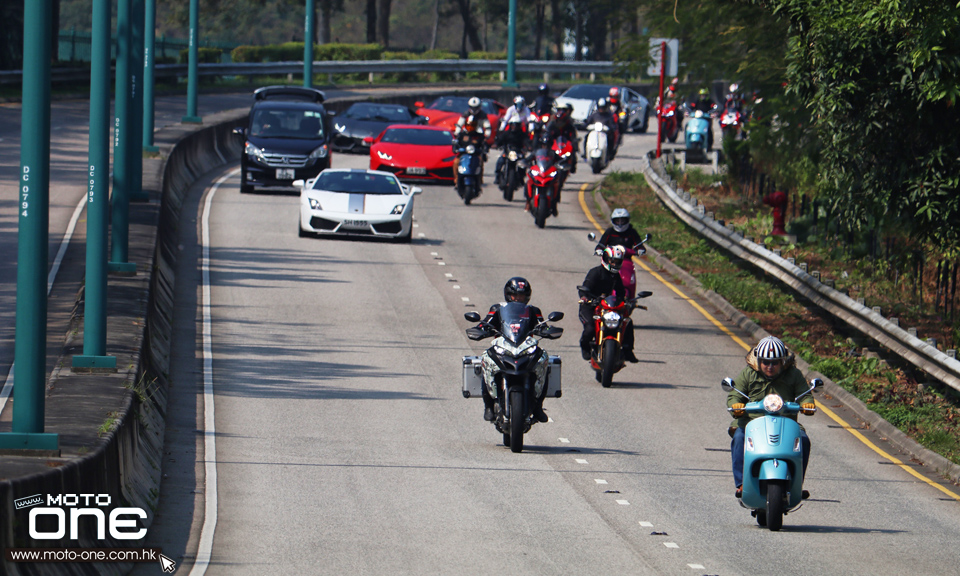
{"points": [[204, 55], [293, 51], [487, 56]]}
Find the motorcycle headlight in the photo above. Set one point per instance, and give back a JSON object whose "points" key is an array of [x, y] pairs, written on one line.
{"points": [[471, 149], [611, 319], [773, 403], [461, 169], [256, 153], [384, 156], [512, 155], [500, 350], [534, 172], [315, 204], [398, 209], [320, 152]]}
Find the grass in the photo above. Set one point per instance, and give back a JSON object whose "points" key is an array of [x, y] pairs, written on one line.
{"points": [[928, 414]]}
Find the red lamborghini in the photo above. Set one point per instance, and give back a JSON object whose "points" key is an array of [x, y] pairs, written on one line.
{"points": [[446, 110], [413, 152]]}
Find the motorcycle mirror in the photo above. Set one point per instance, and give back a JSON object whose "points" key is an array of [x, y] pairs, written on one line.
{"points": [[555, 316], [647, 238], [727, 384], [816, 383], [472, 316], [591, 236], [644, 294]]}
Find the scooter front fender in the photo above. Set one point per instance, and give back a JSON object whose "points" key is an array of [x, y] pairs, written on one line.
{"points": [[773, 470]]}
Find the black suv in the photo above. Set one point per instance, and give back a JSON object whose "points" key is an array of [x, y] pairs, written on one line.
{"points": [[287, 138]]}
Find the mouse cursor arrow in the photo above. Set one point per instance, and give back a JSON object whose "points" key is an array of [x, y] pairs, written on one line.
{"points": [[167, 565]]}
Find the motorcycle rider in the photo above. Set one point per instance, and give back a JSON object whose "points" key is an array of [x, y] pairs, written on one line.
{"points": [[516, 289], [620, 233], [473, 127], [543, 104], [734, 102], [600, 282], [513, 130], [671, 97], [603, 115], [562, 125], [771, 369], [544, 145], [616, 107], [703, 103]]}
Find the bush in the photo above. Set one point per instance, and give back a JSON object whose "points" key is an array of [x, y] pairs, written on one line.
{"points": [[204, 55], [293, 51]]}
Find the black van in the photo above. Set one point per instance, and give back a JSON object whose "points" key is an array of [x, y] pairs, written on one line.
{"points": [[287, 138]]}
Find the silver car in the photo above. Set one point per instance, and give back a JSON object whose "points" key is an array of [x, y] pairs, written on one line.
{"points": [[583, 98]]}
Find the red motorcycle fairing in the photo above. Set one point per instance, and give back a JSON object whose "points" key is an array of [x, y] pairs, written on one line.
{"points": [[602, 332]]}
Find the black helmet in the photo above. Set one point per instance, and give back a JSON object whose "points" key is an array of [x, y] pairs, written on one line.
{"points": [[544, 89], [517, 289], [544, 140]]}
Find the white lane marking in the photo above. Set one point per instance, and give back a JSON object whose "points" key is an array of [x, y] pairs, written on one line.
{"points": [[7, 389], [671, 544], [581, 461], [442, 263], [421, 235], [623, 502], [564, 440], [205, 548], [416, 225], [434, 254], [696, 566], [646, 524], [599, 481], [549, 419], [464, 298], [456, 286], [448, 275]]}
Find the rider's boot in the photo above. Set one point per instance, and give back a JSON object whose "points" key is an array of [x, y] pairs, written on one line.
{"points": [[488, 403], [537, 409]]}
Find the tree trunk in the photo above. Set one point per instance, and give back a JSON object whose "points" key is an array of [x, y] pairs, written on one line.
{"points": [[469, 28], [557, 25], [436, 24], [371, 21], [541, 9], [326, 10], [383, 22]]}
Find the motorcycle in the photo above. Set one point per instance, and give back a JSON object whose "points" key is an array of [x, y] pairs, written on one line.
{"points": [[511, 175], [628, 273], [670, 126], [698, 134], [469, 169], [516, 351], [564, 151], [596, 146], [611, 320], [543, 181], [773, 458], [730, 124]]}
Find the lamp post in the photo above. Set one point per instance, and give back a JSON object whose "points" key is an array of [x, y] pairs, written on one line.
{"points": [[512, 47]]}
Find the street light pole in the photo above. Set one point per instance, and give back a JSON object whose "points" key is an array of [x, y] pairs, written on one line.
{"points": [[308, 35], [512, 47]]}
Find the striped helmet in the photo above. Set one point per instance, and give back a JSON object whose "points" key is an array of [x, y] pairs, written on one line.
{"points": [[770, 348]]}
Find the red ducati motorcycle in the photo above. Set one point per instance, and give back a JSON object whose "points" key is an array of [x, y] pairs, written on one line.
{"points": [[612, 319]]}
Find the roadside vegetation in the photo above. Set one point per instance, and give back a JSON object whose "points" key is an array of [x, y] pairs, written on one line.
{"points": [[927, 412]]}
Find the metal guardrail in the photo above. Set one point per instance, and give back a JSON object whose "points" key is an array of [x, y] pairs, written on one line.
{"points": [[344, 67], [868, 321]]}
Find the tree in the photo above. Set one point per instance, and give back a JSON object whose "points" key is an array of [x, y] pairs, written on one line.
{"points": [[371, 13], [469, 28], [383, 22]]}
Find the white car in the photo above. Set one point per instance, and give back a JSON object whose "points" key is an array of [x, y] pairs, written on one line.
{"points": [[583, 98], [356, 202]]}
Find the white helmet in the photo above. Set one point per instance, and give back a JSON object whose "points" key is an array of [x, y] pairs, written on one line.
{"points": [[473, 103], [612, 258], [620, 219], [770, 348]]}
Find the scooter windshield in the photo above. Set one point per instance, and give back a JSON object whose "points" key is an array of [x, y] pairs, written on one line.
{"points": [[544, 159], [516, 322]]}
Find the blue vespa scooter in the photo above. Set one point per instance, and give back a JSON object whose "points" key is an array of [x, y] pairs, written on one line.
{"points": [[773, 458], [697, 136]]}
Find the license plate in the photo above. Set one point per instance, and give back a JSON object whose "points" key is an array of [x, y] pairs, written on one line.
{"points": [[416, 170], [285, 174], [355, 223]]}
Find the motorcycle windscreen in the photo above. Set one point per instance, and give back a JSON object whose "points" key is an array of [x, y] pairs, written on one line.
{"points": [[516, 322], [544, 160]]}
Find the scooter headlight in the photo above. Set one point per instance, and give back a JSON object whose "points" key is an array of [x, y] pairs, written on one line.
{"points": [[797, 446], [748, 444], [471, 149], [461, 169], [773, 403], [611, 319]]}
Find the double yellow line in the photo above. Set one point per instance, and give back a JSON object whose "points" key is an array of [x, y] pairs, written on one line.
{"points": [[745, 346]]}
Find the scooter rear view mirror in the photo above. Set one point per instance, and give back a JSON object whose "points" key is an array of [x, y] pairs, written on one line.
{"points": [[647, 238], [472, 316], [555, 316], [816, 383], [591, 236], [727, 384]]}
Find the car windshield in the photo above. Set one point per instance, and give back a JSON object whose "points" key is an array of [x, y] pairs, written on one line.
{"points": [[516, 322], [459, 105], [357, 183], [587, 92], [417, 137], [287, 123], [381, 112]]}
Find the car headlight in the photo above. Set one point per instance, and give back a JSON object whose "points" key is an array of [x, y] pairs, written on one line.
{"points": [[315, 204], [398, 209], [611, 319], [254, 152], [471, 149], [320, 152], [772, 403], [512, 155], [384, 156]]}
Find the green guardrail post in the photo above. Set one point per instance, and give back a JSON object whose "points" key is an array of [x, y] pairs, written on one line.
{"points": [[512, 47], [33, 197], [136, 101], [192, 66], [149, 59], [98, 186], [309, 28], [122, 163]]}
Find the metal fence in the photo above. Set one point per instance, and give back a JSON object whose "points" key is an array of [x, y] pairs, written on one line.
{"points": [[74, 46]]}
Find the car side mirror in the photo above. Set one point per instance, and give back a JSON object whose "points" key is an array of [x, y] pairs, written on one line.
{"points": [[368, 140], [472, 316], [240, 131], [418, 104], [555, 316], [298, 183], [416, 190], [331, 113]]}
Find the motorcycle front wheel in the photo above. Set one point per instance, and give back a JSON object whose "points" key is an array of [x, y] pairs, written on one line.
{"points": [[608, 362], [517, 415], [596, 165], [543, 210], [775, 499], [511, 185]]}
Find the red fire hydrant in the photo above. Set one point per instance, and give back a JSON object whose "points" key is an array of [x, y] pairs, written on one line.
{"points": [[777, 200]]}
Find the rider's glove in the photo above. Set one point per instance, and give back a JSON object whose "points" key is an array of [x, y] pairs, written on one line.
{"points": [[809, 409], [738, 410], [598, 252]]}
